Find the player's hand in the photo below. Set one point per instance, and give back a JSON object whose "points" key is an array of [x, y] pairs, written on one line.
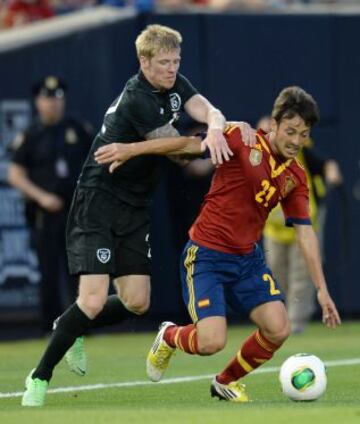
{"points": [[114, 165], [330, 315], [50, 202], [217, 145], [115, 153], [248, 134]]}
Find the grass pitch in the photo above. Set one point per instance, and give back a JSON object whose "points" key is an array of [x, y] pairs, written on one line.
{"points": [[115, 389]]}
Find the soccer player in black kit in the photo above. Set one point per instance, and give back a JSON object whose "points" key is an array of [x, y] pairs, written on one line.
{"points": [[108, 225]]}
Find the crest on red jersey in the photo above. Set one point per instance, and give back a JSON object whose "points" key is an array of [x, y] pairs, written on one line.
{"points": [[255, 157], [288, 186]]}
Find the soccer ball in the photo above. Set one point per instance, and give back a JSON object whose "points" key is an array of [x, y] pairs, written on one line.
{"points": [[303, 377]]}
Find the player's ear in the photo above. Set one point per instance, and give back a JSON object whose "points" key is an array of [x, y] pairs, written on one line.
{"points": [[144, 62], [273, 125]]}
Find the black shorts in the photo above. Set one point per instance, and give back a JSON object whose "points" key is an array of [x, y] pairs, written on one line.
{"points": [[106, 236]]}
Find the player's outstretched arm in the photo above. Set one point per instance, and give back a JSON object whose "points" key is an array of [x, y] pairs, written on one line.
{"points": [[248, 134], [116, 154], [309, 247], [201, 110]]}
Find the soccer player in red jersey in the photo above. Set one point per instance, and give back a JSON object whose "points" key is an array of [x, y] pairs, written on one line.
{"points": [[222, 262]]}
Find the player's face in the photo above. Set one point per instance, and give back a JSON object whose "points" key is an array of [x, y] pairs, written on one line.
{"points": [[161, 69], [289, 136]]}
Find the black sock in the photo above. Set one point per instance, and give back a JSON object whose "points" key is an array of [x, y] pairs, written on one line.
{"points": [[72, 324], [113, 312]]}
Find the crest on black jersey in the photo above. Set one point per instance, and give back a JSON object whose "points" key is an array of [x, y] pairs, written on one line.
{"points": [[175, 102]]}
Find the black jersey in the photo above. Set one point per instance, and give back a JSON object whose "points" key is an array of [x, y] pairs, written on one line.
{"points": [[139, 110]]}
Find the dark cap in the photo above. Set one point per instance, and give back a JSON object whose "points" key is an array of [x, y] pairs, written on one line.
{"points": [[50, 86]]}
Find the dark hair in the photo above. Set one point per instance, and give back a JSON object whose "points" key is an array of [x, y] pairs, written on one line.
{"points": [[295, 101]]}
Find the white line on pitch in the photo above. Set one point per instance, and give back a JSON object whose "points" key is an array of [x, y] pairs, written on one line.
{"points": [[340, 362]]}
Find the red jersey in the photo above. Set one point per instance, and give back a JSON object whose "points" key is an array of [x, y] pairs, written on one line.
{"points": [[243, 192]]}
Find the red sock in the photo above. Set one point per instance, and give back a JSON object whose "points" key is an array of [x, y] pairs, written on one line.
{"points": [[254, 352], [184, 338]]}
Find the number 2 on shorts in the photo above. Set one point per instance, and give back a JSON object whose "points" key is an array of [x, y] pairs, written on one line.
{"points": [[273, 290]]}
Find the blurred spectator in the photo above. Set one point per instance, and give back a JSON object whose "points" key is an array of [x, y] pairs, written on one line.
{"points": [[220, 5], [66, 6], [20, 12], [45, 164], [282, 253], [173, 4], [257, 5], [140, 5]]}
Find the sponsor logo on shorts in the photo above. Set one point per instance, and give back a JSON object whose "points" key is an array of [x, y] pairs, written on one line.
{"points": [[103, 255]]}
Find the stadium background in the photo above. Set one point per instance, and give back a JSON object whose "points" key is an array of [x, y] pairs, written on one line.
{"points": [[240, 62]]}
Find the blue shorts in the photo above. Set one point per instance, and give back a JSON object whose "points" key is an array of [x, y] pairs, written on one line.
{"points": [[210, 279]]}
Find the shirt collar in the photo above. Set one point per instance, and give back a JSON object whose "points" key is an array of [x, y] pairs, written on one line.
{"points": [[148, 84]]}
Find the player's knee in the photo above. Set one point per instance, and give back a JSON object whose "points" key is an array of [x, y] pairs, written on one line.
{"points": [[210, 346], [278, 334], [138, 305], [92, 305]]}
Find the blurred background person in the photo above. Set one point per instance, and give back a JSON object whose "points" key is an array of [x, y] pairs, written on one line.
{"points": [[254, 5], [21, 12], [45, 162], [281, 250]]}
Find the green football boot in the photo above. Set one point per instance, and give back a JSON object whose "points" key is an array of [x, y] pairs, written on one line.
{"points": [[76, 357], [35, 392]]}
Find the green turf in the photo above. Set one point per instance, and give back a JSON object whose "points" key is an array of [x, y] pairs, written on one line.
{"points": [[116, 359]]}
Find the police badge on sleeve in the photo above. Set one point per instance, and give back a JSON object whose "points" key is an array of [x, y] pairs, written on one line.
{"points": [[103, 255]]}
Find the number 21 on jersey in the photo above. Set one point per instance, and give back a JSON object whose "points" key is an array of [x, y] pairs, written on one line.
{"points": [[264, 195]]}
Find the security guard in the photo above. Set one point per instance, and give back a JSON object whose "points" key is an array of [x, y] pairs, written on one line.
{"points": [[45, 164]]}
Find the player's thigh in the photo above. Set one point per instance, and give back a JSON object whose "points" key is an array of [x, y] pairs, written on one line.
{"points": [[133, 260], [212, 334], [272, 320], [131, 229], [134, 292], [93, 292], [255, 284], [278, 259], [202, 287], [90, 242]]}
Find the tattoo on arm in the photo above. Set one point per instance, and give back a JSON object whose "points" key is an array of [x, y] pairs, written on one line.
{"points": [[166, 130]]}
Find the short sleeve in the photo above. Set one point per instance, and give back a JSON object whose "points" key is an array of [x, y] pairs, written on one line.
{"points": [[19, 150], [296, 205]]}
